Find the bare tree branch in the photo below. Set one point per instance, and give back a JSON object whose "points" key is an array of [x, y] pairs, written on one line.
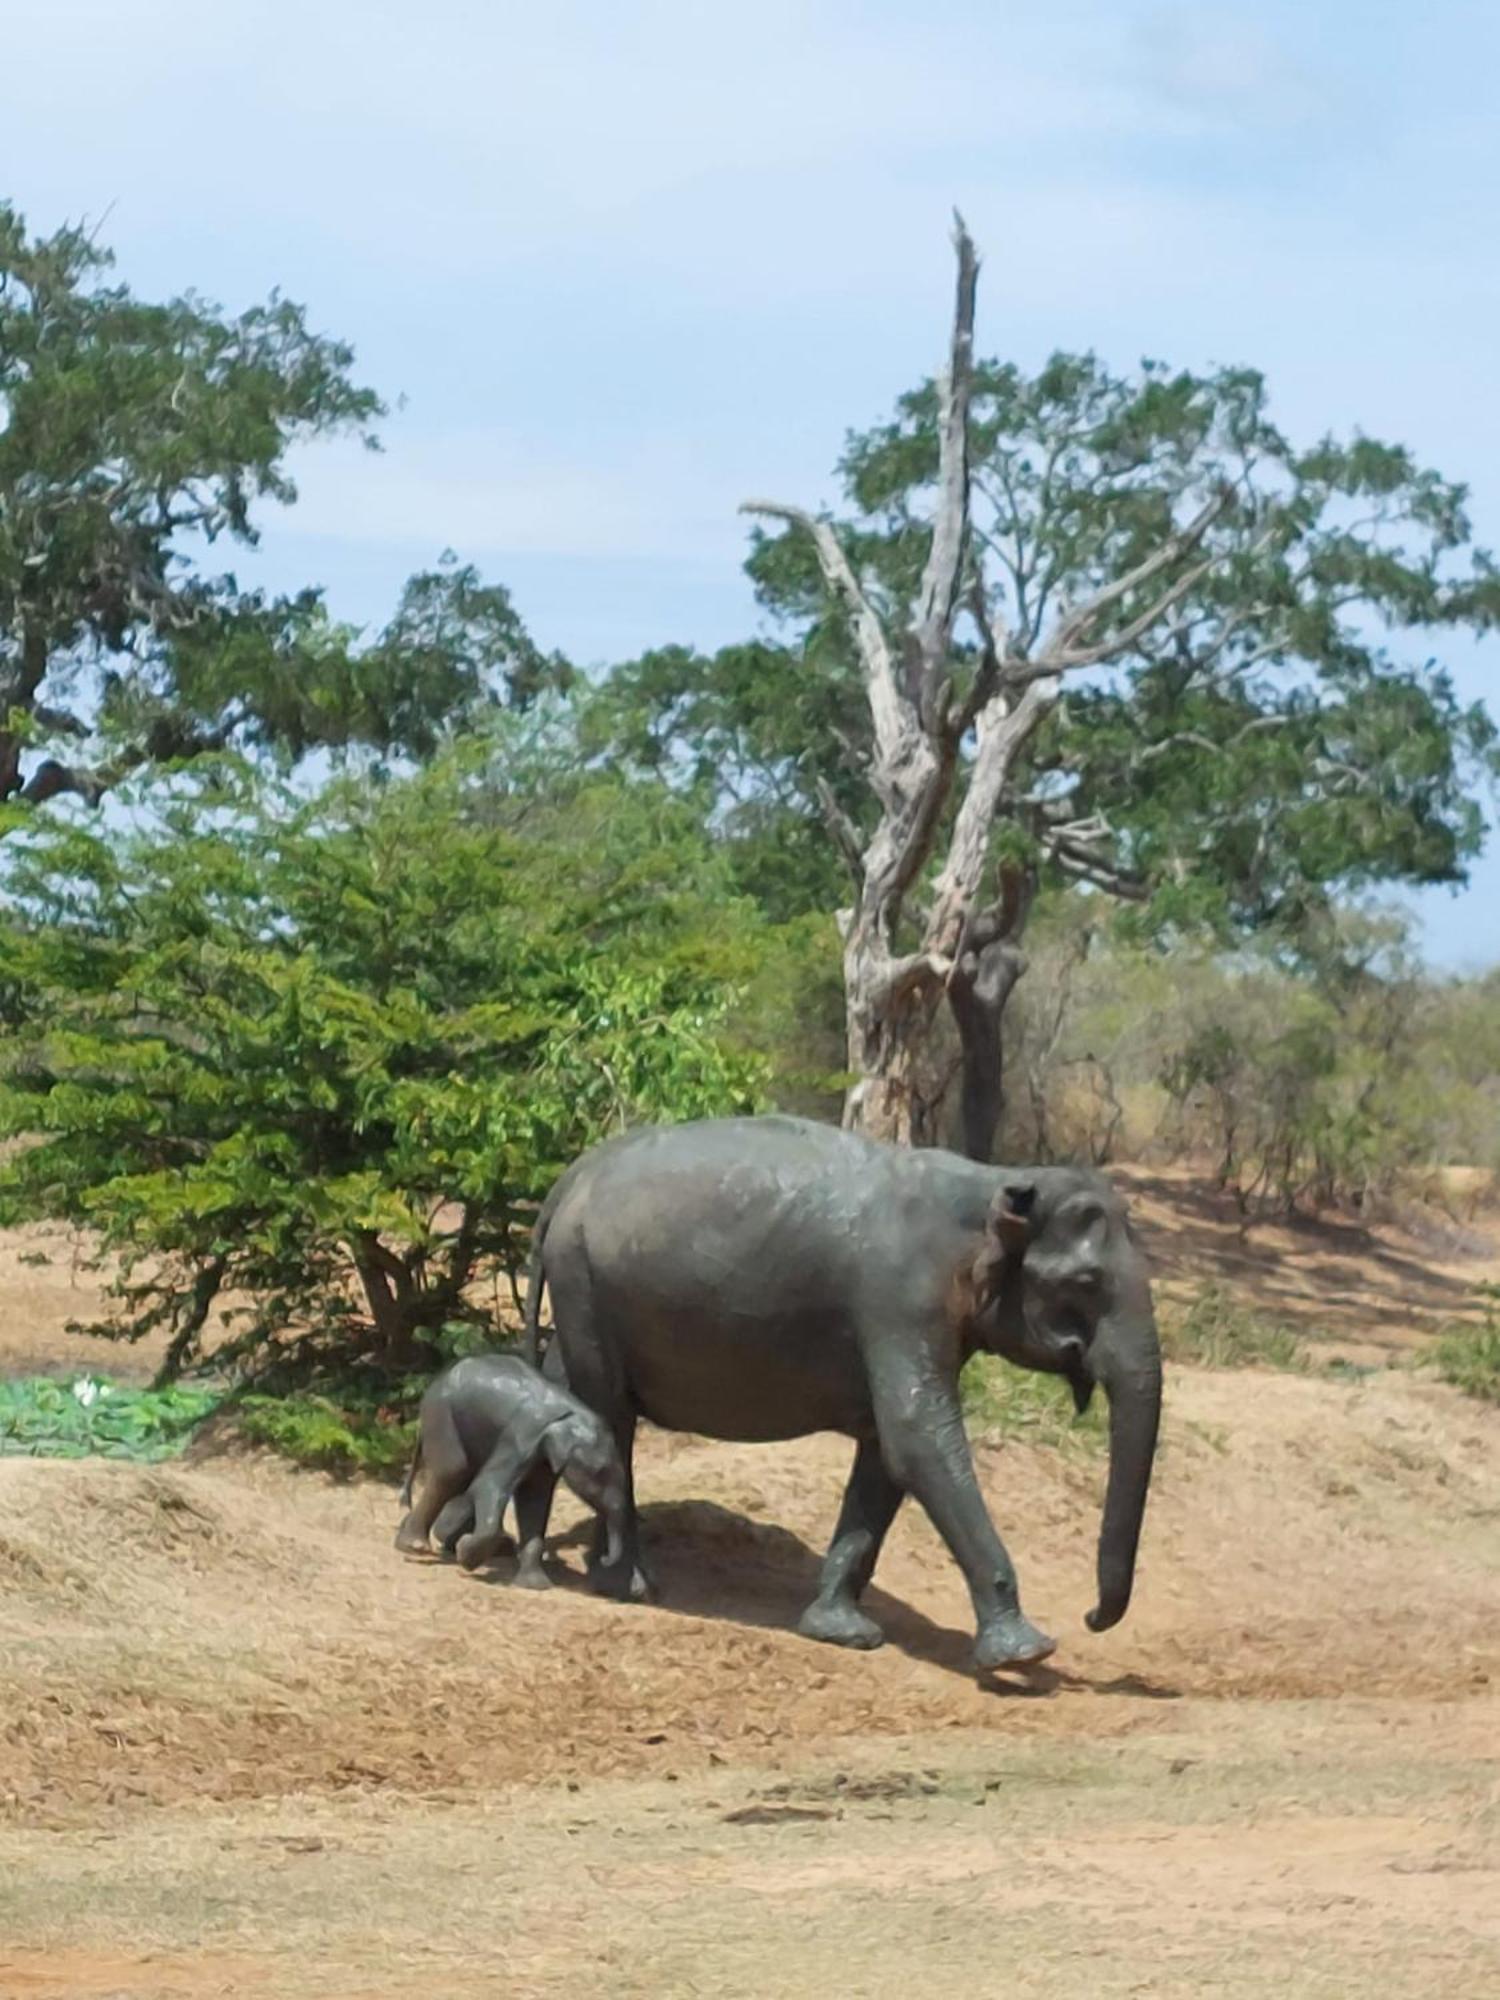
{"points": [[994, 650], [921, 968], [938, 596], [843, 829], [1086, 867], [1121, 641], [1074, 623], [50, 779], [1193, 739], [1003, 731], [58, 721], [890, 710]]}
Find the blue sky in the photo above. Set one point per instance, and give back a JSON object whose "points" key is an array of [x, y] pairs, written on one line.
{"points": [[628, 264]]}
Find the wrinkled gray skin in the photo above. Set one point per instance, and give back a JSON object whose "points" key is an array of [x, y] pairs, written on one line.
{"points": [[492, 1428], [759, 1278]]}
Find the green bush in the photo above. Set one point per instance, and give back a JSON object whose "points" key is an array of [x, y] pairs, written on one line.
{"points": [[1217, 1331], [1469, 1356], [93, 1418], [329, 1434]]}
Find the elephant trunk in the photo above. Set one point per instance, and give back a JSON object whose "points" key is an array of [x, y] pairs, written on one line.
{"points": [[1127, 1362]]}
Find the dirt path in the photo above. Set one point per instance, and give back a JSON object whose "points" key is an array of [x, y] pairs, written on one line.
{"points": [[1293, 1850]]}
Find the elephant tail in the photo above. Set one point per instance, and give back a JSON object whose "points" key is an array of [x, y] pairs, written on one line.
{"points": [[412, 1471], [536, 1275], [536, 1284]]}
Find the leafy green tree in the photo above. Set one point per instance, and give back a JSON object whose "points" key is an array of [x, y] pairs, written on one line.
{"points": [[307, 1064], [1111, 630], [754, 733], [135, 439]]}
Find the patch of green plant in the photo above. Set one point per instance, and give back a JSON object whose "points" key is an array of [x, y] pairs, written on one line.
{"points": [[95, 1418], [1216, 1330], [1469, 1356], [333, 1435], [1001, 1400]]}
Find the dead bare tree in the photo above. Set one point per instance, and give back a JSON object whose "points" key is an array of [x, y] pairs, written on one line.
{"points": [[947, 738]]}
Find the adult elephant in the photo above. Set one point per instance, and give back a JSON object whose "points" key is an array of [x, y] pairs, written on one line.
{"points": [[760, 1278]]}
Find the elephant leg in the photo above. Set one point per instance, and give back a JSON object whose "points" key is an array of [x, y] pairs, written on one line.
{"points": [[592, 1369], [495, 1482], [533, 1507], [625, 1578], [451, 1523], [926, 1450], [444, 1471], [870, 1502]]}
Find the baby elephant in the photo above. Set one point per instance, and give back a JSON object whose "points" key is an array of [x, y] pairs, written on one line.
{"points": [[493, 1425]]}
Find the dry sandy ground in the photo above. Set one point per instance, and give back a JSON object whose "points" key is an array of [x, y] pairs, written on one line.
{"points": [[247, 1749]]}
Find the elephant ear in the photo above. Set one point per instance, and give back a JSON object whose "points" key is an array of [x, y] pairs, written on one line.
{"points": [[559, 1441], [1007, 1232], [577, 1438]]}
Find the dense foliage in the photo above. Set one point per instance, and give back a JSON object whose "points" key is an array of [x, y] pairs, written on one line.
{"points": [[305, 1064], [1339, 1074]]}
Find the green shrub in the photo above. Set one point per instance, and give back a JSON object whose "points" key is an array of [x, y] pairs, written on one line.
{"points": [[329, 1434], [1217, 1331], [1469, 1356], [94, 1418]]}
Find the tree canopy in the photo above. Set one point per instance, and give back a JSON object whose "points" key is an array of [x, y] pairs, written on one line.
{"points": [[1279, 731], [136, 440]]}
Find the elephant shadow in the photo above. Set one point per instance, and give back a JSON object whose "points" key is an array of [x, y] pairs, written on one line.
{"points": [[710, 1562]]}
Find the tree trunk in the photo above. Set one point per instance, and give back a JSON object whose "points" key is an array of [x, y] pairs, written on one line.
{"points": [[978, 989], [889, 1026], [988, 963], [383, 1293]]}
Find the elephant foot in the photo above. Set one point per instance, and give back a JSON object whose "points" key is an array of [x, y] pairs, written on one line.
{"points": [[531, 1576], [632, 1588], [840, 1625], [1009, 1640], [472, 1553], [411, 1540]]}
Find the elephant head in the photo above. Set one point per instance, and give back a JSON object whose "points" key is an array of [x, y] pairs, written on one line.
{"points": [[1060, 1284], [581, 1449]]}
